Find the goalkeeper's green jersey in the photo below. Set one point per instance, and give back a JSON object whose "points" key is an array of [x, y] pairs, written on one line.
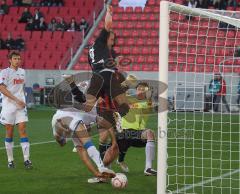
{"points": [[138, 114]]}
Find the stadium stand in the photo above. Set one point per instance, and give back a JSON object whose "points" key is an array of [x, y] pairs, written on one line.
{"points": [[137, 31], [44, 50], [139, 43]]}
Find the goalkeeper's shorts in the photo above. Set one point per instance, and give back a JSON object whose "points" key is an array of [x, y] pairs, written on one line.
{"points": [[130, 138]]}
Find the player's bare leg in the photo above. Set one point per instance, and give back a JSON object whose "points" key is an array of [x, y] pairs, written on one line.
{"points": [[82, 134], [9, 144], [24, 144], [112, 152]]}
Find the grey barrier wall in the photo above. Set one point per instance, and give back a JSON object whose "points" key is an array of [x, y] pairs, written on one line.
{"points": [[176, 79]]}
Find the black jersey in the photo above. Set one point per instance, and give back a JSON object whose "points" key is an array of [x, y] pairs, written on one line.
{"points": [[99, 54]]}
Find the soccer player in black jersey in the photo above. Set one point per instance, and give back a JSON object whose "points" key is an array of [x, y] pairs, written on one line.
{"points": [[105, 83]]}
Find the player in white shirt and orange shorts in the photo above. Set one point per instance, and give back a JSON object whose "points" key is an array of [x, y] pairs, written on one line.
{"points": [[14, 112]]}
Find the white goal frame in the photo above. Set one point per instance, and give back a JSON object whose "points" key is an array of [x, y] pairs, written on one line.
{"points": [[165, 6]]}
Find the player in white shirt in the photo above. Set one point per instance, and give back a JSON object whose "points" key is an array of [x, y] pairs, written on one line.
{"points": [[14, 112], [70, 123]]}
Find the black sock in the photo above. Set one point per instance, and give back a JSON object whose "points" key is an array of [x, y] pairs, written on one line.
{"points": [[121, 156], [103, 148]]}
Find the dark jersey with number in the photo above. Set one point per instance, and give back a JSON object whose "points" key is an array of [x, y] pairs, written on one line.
{"points": [[99, 54]]}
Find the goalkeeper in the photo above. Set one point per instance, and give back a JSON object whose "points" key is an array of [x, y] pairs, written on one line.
{"points": [[135, 132]]}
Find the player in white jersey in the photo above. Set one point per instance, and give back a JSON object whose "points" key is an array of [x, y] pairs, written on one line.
{"points": [[14, 112], [70, 123]]}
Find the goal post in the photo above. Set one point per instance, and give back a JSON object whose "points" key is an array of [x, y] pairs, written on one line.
{"points": [[162, 114], [198, 139]]}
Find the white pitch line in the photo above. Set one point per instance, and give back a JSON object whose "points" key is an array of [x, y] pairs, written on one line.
{"points": [[37, 143], [206, 181], [43, 142]]}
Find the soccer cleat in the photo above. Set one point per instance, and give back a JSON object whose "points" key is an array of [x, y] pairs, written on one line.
{"points": [[74, 149], [96, 180], [106, 172], [118, 121], [123, 166], [28, 164], [11, 164], [150, 172]]}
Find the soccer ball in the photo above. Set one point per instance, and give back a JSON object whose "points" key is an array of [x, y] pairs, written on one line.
{"points": [[119, 181]]}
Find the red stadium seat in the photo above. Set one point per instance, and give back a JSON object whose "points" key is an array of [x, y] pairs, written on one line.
{"points": [[140, 42], [47, 36], [143, 17], [126, 33], [151, 59], [115, 2], [129, 9], [126, 51], [135, 51], [125, 16], [136, 67], [130, 41], [36, 35], [118, 10], [147, 9], [138, 10], [151, 2], [145, 51], [57, 36], [140, 59], [133, 17], [147, 67]]}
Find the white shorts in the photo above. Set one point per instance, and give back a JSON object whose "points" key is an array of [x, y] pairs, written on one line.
{"points": [[13, 117], [77, 118]]}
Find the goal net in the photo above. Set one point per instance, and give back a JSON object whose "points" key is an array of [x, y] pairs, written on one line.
{"points": [[199, 136]]}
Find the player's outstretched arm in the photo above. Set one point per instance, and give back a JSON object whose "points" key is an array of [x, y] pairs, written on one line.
{"points": [[108, 18], [7, 93]]}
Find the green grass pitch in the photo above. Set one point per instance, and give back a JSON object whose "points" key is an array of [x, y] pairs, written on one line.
{"points": [[59, 171]]}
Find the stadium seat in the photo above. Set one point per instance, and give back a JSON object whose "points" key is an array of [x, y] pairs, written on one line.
{"points": [[36, 35], [143, 17], [147, 10], [120, 41], [151, 2], [115, 2], [147, 67], [135, 33], [125, 17], [151, 59], [156, 10], [133, 17], [135, 50], [139, 25], [129, 9], [118, 10], [136, 67], [231, 34], [126, 33], [140, 42], [209, 60], [47, 36], [138, 10], [140, 59], [126, 51], [200, 60]]}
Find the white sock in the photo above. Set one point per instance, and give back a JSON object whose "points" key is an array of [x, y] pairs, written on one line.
{"points": [[9, 150], [150, 154], [94, 154], [25, 150]]}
